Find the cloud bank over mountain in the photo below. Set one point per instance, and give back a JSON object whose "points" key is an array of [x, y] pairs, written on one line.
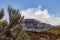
{"points": [[41, 15]]}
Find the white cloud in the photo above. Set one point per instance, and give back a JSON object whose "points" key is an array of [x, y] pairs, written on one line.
{"points": [[43, 16]]}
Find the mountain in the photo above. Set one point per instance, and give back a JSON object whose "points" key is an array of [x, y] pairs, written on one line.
{"points": [[34, 25], [38, 30]]}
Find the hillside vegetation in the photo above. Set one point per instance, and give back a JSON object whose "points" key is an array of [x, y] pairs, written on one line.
{"points": [[55, 30]]}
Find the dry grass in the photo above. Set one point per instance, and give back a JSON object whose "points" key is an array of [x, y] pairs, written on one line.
{"points": [[55, 30]]}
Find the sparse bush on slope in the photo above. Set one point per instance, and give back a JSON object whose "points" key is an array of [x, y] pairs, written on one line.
{"points": [[13, 29]]}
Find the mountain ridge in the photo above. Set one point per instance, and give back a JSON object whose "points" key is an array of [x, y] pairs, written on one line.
{"points": [[35, 25]]}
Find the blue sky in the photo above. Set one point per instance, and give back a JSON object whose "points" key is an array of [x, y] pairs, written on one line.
{"points": [[53, 6], [30, 9]]}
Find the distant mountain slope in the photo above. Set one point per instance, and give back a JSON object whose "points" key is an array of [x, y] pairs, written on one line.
{"points": [[34, 25], [55, 30], [41, 31]]}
